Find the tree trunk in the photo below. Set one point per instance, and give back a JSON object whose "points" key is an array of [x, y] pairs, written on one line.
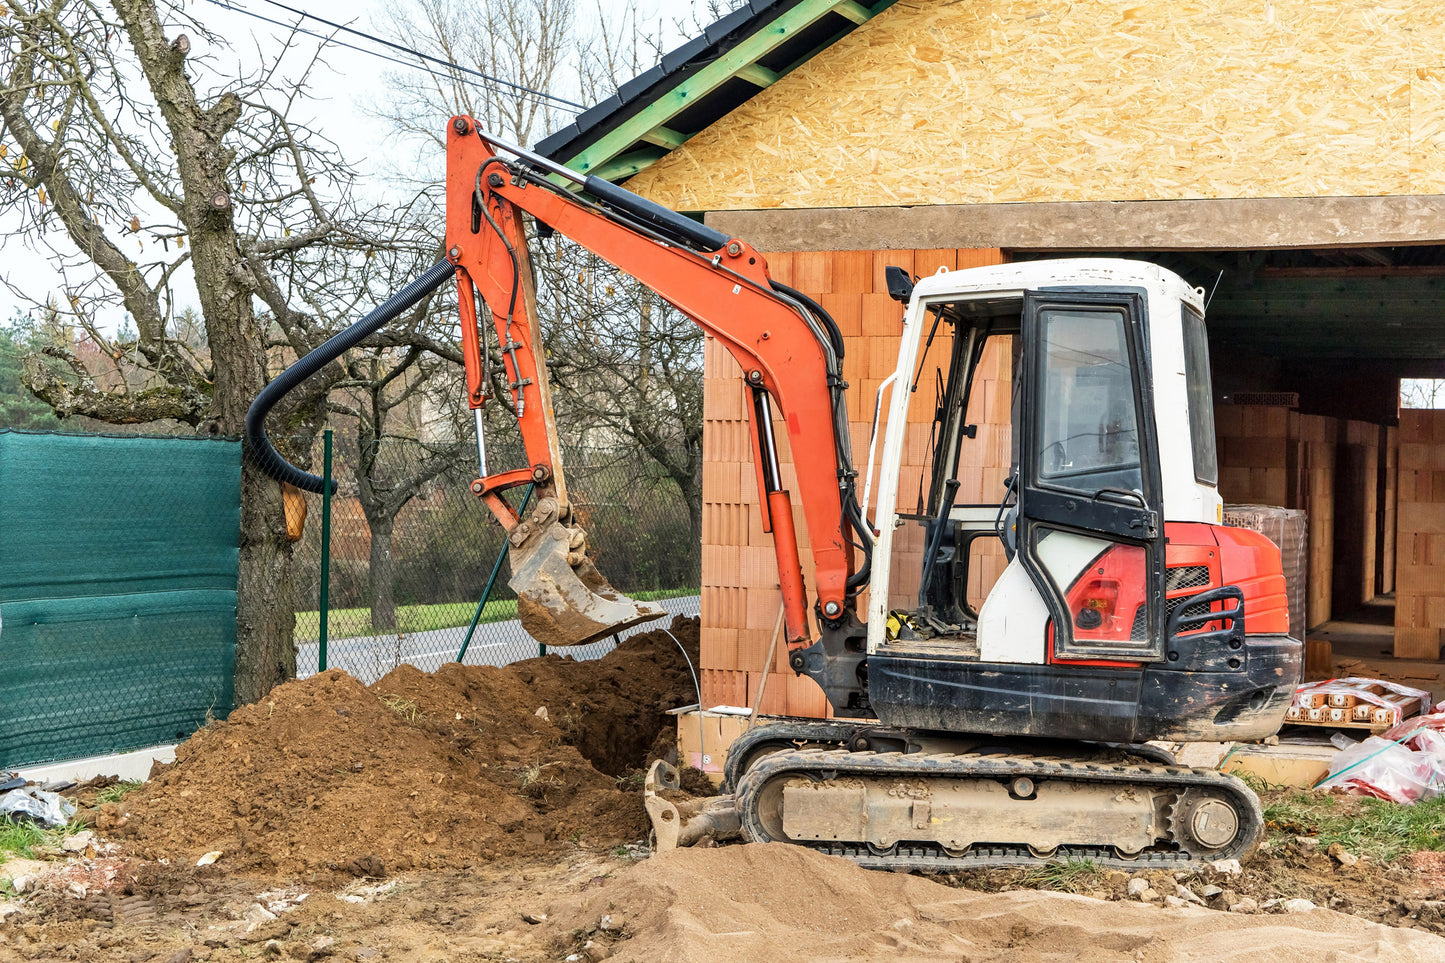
{"points": [[382, 576], [692, 494], [265, 617], [265, 609]]}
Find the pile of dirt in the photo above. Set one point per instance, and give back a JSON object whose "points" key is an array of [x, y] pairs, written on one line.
{"points": [[777, 901], [419, 770]]}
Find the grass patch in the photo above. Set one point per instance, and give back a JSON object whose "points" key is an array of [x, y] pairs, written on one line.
{"points": [[1375, 828], [633, 781], [1070, 876], [119, 791], [529, 778], [406, 708], [19, 838], [348, 623]]}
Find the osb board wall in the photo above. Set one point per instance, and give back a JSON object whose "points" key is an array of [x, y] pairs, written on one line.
{"points": [[1420, 542], [1274, 456], [936, 102], [740, 597]]}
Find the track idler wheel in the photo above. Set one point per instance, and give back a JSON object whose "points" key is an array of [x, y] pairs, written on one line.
{"points": [[1206, 823]]}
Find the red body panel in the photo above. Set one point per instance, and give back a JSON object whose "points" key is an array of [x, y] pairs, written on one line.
{"points": [[1114, 586], [1251, 561]]}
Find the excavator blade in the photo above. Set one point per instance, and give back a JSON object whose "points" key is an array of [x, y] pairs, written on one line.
{"points": [[562, 599]]}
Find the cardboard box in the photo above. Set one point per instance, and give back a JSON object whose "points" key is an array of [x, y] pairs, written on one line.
{"points": [[703, 737], [1284, 765]]}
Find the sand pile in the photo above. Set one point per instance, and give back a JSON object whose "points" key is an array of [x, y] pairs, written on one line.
{"points": [[418, 770], [774, 901]]}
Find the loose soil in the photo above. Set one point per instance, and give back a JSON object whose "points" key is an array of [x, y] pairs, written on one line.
{"points": [[418, 770], [735, 903], [775, 901]]}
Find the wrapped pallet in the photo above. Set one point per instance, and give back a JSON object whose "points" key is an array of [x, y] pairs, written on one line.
{"points": [[1288, 529]]}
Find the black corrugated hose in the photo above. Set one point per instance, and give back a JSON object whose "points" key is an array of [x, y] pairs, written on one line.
{"points": [[263, 454]]}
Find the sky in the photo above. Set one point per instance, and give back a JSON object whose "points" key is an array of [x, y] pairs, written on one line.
{"points": [[350, 81]]}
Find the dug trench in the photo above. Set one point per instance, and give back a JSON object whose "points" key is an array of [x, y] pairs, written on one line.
{"points": [[494, 814]]}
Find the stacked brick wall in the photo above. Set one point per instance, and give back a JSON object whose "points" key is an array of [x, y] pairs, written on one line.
{"points": [[1420, 543], [740, 597]]}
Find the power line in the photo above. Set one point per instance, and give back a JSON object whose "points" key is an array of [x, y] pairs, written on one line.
{"points": [[403, 63], [435, 60]]}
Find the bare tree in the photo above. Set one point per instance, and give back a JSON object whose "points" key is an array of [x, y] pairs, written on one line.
{"points": [[626, 368], [528, 46], [395, 457], [133, 164], [1422, 393]]}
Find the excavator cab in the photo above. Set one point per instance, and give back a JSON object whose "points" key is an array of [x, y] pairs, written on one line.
{"points": [[1120, 614]]}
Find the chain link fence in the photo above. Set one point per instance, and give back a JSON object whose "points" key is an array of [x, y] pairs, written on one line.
{"points": [[412, 547], [117, 590]]}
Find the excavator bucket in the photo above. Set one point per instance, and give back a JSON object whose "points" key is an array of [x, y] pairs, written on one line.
{"points": [[562, 599]]}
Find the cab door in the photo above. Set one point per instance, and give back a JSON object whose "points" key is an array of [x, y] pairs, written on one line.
{"points": [[1090, 507]]}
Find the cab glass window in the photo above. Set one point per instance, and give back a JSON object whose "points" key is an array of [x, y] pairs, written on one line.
{"points": [[1088, 419], [1201, 398]]}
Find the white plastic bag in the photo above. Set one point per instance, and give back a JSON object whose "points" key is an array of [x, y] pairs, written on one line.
{"points": [[45, 808], [1387, 770]]}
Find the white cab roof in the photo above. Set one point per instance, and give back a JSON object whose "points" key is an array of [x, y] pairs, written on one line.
{"points": [[1032, 275]]}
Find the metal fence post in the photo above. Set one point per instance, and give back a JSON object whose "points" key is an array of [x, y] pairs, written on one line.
{"points": [[325, 547], [491, 581]]}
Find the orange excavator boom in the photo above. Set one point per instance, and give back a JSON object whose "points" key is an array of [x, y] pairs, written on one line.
{"points": [[788, 349]]}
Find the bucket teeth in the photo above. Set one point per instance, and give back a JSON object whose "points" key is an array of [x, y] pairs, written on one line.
{"points": [[562, 600]]}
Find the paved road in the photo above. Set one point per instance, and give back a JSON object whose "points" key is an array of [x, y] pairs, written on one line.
{"points": [[369, 657]]}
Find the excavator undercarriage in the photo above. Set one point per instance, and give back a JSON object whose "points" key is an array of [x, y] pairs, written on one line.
{"points": [[941, 802]]}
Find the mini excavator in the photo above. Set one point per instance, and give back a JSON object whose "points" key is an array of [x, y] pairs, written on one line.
{"points": [[1009, 733]]}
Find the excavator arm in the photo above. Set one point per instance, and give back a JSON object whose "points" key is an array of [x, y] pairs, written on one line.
{"points": [[788, 348]]}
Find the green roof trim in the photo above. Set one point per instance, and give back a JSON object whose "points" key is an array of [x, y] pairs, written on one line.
{"points": [[759, 75], [620, 150]]}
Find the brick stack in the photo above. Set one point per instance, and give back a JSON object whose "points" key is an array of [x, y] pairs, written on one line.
{"points": [[1420, 543], [740, 597], [1357, 470], [1255, 467], [1315, 447], [1389, 497], [1270, 455]]}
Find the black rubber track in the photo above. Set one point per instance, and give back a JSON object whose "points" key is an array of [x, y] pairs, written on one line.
{"points": [[830, 764]]}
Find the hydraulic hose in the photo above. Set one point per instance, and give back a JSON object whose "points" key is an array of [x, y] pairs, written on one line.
{"points": [[655, 216], [263, 454], [835, 336]]}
